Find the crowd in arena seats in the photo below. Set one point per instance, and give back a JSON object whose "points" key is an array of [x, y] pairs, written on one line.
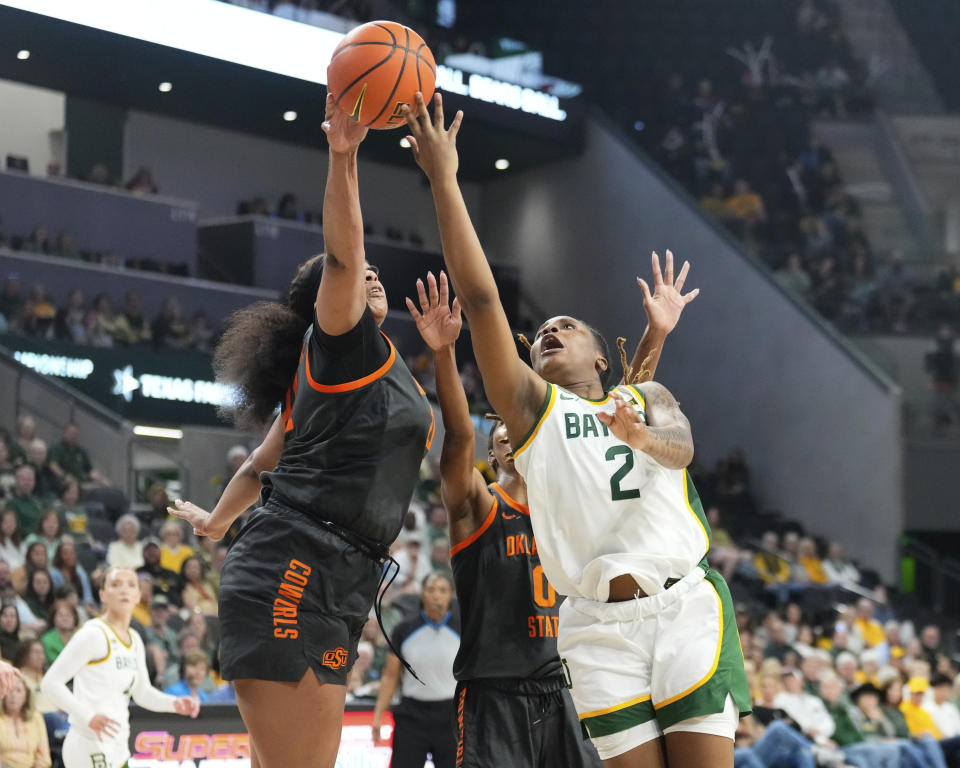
{"points": [[99, 322], [63, 245]]}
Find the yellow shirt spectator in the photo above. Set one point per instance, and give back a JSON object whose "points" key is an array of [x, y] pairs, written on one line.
{"points": [[919, 721], [772, 569], [871, 631]]}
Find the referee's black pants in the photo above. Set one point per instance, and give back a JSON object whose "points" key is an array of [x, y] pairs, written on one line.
{"points": [[422, 727]]}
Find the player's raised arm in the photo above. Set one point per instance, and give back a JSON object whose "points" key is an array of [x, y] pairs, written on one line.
{"points": [[513, 389], [464, 490], [663, 308], [342, 298], [242, 490]]}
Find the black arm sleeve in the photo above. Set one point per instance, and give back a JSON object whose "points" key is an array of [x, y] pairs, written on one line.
{"points": [[349, 356]]}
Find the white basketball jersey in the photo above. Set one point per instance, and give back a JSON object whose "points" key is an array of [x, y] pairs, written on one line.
{"points": [[105, 684], [601, 509]]}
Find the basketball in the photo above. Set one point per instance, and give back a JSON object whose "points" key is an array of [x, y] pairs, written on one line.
{"points": [[376, 69]]}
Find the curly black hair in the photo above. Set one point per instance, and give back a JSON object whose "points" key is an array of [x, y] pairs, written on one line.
{"points": [[260, 349]]}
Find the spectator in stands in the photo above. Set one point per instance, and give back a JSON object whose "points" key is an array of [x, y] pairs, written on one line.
{"points": [[12, 549], [11, 303], [39, 594], [9, 631], [142, 182], [733, 485], [197, 592], [287, 208], [715, 203], [39, 313], [166, 583], [24, 501], [174, 552], [141, 611], [65, 620], [794, 278], [35, 559], [919, 721], [159, 639], [49, 533], [68, 571], [68, 457], [169, 330], [198, 625], [838, 569], [847, 668], [46, 480], [747, 208], [194, 668], [23, 733], [895, 286], [100, 174], [126, 551], [811, 567], [132, 325], [944, 712], [66, 246], [38, 241], [413, 563], [201, 333], [869, 629], [930, 644], [926, 745], [807, 711], [68, 324], [30, 659], [772, 569], [7, 469], [845, 733], [942, 362], [69, 508], [94, 332]]}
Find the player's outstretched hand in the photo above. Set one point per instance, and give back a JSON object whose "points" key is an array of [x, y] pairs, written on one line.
{"points": [[187, 705], [625, 423], [377, 736], [343, 132], [438, 321], [105, 727], [434, 147], [198, 518], [9, 674], [666, 303]]}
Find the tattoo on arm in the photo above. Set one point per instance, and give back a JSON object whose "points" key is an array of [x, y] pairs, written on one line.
{"points": [[672, 443]]}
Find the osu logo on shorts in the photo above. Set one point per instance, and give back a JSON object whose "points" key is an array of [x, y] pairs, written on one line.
{"points": [[335, 659]]}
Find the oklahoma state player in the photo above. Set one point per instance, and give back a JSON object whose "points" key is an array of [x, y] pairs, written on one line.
{"points": [[512, 703]]}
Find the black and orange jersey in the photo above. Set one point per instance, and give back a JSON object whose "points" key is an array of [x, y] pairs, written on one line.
{"points": [[508, 610], [356, 427]]}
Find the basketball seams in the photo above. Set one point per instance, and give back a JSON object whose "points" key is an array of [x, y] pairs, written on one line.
{"points": [[424, 60], [396, 83], [364, 74]]}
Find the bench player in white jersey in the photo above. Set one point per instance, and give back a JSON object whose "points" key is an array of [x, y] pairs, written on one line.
{"points": [[106, 661], [647, 631]]}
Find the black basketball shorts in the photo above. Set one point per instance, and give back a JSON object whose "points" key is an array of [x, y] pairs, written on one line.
{"points": [[293, 595], [521, 724]]}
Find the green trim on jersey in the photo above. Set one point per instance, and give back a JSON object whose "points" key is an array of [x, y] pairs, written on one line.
{"points": [[618, 720], [548, 401], [729, 678], [693, 501]]}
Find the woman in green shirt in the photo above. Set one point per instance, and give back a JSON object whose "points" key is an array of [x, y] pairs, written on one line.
{"points": [[65, 620]]}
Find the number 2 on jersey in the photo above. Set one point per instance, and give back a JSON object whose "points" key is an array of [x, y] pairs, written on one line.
{"points": [[618, 493]]}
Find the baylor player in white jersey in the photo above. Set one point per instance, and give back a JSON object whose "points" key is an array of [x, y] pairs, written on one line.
{"points": [[655, 667], [106, 661]]}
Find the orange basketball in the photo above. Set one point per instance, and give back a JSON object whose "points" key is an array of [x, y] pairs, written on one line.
{"points": [[376, 69]]}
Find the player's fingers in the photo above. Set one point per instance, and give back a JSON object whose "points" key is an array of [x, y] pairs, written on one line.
{"points": [[412, 309], [668, 272], [438, 111], [644, 289], [605, 417], [444, 290], [412, 123], [455, 308], [423, 114], [455, 125], [422, 295], [691, 296], [434, 293], [414, 147], [655, 266], [682, 277]]}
